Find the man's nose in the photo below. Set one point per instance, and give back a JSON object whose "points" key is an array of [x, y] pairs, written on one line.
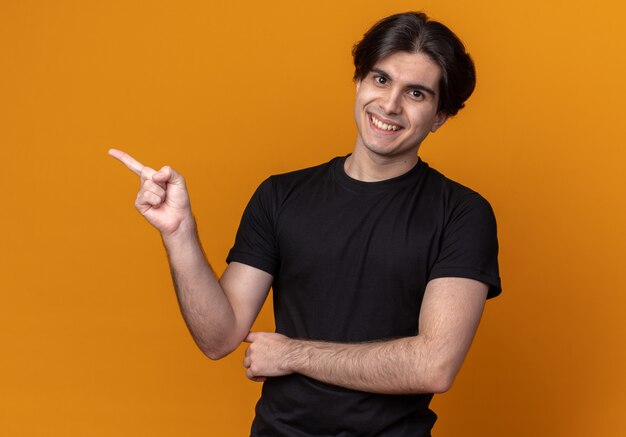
{"points": [[391, 103]]}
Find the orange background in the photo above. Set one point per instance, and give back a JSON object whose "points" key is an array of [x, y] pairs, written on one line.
{"points": [[92, 340]]}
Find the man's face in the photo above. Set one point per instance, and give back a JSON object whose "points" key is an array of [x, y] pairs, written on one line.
{"points": [[396, 105]]}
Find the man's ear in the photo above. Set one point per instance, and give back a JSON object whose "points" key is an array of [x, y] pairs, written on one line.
{"points": [[440, 119]]}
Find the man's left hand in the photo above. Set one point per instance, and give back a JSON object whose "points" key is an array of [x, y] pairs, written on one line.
{"points": [[267, 355]]}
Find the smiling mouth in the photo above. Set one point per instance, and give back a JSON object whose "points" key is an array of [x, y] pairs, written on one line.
{"points": [[382, 125]]}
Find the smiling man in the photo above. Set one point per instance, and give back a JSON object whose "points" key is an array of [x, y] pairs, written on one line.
{"points": [[380, 265], [397, 105]]}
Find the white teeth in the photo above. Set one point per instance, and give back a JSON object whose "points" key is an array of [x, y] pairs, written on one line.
{"points": [[384, 126]]}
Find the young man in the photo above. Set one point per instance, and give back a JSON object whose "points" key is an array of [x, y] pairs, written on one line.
{"points": [[380, 265]]}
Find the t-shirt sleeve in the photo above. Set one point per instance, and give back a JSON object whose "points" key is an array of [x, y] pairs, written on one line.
{"points": [[469, 246], [255, 243]]}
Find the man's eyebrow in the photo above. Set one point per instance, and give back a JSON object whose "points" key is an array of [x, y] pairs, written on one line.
{"points": [[415, 86], [380, 72]]}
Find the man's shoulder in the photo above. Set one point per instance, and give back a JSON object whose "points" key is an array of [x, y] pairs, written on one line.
{"points": [[445, 183], [452, 192], [276, 188]]}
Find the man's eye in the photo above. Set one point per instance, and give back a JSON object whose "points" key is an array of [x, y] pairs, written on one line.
{"points": [[417, 94], [380, 80]]}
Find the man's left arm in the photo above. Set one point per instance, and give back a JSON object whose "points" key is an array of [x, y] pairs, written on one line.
{"points": [[425, 363]]}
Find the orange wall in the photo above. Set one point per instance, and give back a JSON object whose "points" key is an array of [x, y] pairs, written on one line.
{"points": [[92, 341]]}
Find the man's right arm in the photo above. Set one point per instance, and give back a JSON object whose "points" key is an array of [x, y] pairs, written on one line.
{"points": [[219, 314]]}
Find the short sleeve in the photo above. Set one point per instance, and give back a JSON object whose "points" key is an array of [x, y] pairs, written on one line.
{"points": [[255, 243], [469, 245]]}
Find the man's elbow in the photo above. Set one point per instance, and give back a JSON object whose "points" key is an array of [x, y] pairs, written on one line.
{"points": [[441, 377], [441, 383], [216, 351], [215, 354]]}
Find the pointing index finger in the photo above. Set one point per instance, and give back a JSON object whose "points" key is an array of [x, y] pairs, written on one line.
{"points": [[130, 162]]}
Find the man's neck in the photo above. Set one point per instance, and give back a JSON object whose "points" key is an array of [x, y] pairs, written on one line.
{"points": [[367, 167]]}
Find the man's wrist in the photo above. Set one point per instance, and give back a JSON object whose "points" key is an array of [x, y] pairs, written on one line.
{"points": [[184, 233], [296, 356]]}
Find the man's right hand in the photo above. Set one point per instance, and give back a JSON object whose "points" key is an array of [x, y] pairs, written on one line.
{"points": [[162, 199]]}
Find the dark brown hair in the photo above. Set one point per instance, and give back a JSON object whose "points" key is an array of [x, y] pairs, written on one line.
{"points": [[414, 32]]}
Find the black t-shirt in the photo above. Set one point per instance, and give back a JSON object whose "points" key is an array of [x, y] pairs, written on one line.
{"points": [[351, 261]]}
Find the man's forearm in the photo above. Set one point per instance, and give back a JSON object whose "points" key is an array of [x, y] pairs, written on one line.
{"points": [[400, 366], [203, 303]]}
